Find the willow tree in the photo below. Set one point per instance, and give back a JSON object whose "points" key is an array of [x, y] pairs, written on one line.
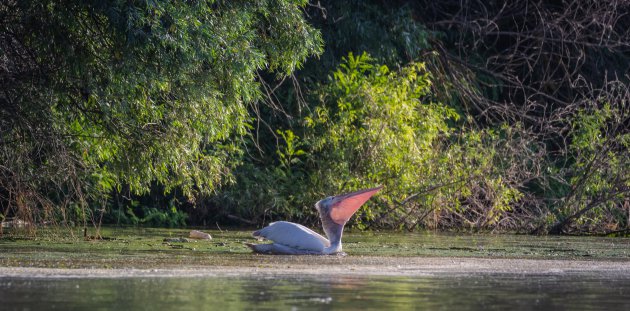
{"points": [[99, 95]]}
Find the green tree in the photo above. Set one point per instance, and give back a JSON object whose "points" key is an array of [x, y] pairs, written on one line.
{"points": [[104, 95]]}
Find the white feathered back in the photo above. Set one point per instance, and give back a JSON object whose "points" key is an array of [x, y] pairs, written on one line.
{"points": [[293, 235]]}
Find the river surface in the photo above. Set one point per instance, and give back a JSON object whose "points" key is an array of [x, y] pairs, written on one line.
{"points": [[139, 269], [592, 291]]}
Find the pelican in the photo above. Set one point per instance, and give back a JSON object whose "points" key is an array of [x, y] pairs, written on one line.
{"points": [[294, 239]]}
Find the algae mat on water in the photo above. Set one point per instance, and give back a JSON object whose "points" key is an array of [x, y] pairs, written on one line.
{"points": [[368, 252]]}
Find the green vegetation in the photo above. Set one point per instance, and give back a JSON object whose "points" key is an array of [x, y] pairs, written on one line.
{"points": [[169, 113]]}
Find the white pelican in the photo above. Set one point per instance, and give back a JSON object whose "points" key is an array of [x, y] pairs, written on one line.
{"points": [[294, 239]]}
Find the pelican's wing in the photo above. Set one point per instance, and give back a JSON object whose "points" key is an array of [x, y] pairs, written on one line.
{"points": [[293, 235]]}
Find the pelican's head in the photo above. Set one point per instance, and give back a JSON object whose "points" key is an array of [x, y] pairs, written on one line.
{"points": [[323, 206]]}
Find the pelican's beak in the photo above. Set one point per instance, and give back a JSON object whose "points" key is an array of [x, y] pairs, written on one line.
{"points": [[345, 205]]}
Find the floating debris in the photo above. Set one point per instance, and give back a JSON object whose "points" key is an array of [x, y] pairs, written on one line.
{"points": [[199, 235]]}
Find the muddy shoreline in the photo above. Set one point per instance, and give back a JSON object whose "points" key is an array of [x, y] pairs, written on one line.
{"points": [[348, 266], [159, 252]]}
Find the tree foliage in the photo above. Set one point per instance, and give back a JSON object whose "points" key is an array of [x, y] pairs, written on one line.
{"points": [[485, 115], [372, 126], [540, 65], [521, 76], [114, 95]]}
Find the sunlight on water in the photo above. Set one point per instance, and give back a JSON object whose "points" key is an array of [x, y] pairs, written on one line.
{"points": [[479, 292]]}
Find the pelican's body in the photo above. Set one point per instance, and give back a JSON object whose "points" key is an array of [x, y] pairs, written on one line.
{"points": [[294, 239]]}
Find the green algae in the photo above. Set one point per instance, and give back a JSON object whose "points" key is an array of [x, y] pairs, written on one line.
{"points": [[143, 248], [488, 245]]}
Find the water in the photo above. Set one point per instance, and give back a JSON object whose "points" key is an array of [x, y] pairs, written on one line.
{"points": [[600, 281], [445, 292]]}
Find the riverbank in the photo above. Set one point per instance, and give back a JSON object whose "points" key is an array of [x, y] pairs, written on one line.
{"points": [[157, 252]]}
